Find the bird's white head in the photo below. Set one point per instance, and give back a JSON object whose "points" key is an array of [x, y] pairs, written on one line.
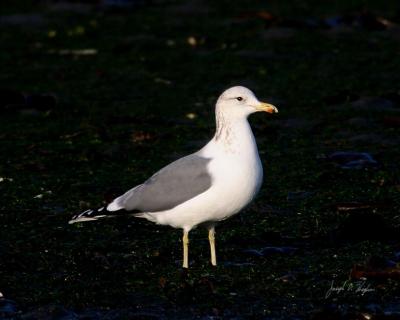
{"points": [[241, 102]]}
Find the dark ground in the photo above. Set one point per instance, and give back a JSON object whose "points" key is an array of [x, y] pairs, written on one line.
{"points": [[95, 99]]}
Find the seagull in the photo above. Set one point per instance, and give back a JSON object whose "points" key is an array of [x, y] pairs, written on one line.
{"points": [[205, 187]]}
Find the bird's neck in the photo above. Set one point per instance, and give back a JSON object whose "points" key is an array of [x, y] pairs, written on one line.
{"points": [[234, 134]]}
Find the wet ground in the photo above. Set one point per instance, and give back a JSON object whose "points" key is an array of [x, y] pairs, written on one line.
{"points": [[96, 97]]}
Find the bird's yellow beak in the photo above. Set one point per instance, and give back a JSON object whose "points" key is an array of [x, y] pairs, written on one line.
{"points": [[267, 108]]}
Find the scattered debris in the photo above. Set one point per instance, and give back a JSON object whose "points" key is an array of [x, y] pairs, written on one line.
{"points": [[363, 19], [238, 264], [74, 52], [357, 206], [271, 250], [41, 195], [141, 136]]}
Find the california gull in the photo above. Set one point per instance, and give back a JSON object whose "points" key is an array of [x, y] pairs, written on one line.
{"points": [[205, 187]]}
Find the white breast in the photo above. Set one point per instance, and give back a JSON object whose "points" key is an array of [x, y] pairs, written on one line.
{"points": [[237, 174], [236, 183], [236, 169]]}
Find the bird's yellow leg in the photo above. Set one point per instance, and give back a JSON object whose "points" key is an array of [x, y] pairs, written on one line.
{"points": [[185, 240], [211, 238]]}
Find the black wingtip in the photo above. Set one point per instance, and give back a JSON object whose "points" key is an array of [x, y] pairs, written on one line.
{"points": [[89, 214]]}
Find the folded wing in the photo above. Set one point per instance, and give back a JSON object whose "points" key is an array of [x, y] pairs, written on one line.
{"points": [[174, 184]]}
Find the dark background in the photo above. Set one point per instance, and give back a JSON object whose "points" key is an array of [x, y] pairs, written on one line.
{"points": [[97, 96]]}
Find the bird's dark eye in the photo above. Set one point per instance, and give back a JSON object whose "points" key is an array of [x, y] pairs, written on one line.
{"points": [[239, 98]]}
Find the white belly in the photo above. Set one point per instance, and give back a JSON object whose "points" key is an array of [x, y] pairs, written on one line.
{"points": [[235, 184]]}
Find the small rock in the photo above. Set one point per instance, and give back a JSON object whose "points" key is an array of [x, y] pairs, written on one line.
{"points": [[290, 277], [352, 160], [7, 307]]}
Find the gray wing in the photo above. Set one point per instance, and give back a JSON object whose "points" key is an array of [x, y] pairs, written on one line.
{"points": [[174, 184]]}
